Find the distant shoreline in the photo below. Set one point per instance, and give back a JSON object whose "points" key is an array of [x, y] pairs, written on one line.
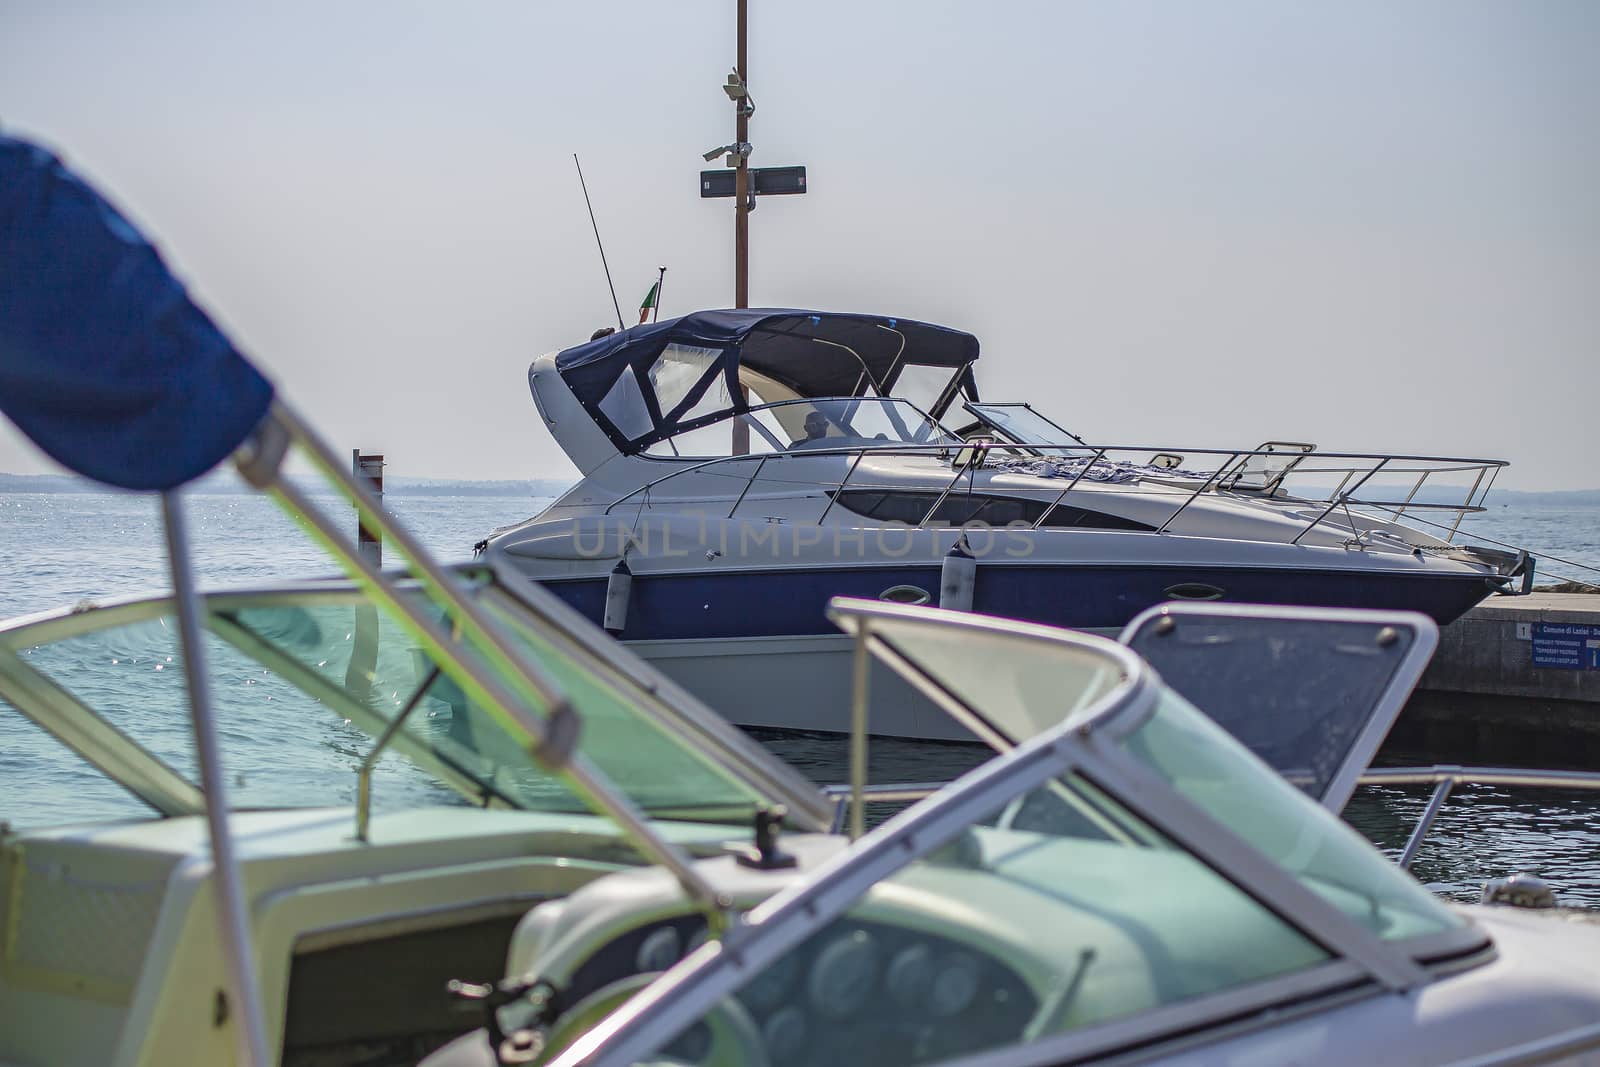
{"points": [[228, 484]]}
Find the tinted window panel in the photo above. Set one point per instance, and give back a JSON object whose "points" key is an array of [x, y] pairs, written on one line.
{"points": [[959, 509]]}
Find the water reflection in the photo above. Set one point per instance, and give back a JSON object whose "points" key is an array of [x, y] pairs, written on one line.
{"points": [[1486, 832]]}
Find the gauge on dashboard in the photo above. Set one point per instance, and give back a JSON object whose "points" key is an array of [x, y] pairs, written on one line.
{"points": [[770, 988], [843, 975], [660, 949], [785, 1036], [955, 984], [909, 975]]}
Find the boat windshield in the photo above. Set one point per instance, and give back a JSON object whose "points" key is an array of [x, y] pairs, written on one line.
{"points": [[1058, 888], [315, 674], [804, 425], [1019, 928], [1022, 681], [1022, 425], [1198, 759]]}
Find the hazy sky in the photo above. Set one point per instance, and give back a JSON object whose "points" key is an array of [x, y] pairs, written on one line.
{"points": [[1372, 225]]}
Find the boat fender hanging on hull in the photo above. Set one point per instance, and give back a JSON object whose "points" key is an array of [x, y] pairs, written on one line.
{"points": [[619, 590], [958, 577]]}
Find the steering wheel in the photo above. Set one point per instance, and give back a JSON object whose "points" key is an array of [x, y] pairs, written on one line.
{"points": [[730, 1039]]}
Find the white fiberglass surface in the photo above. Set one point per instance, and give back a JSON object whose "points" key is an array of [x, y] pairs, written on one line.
{"points": [[1061, 911], [1218, 775]]}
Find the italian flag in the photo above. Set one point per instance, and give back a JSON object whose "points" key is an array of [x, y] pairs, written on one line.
{"points": [[649, 301]]}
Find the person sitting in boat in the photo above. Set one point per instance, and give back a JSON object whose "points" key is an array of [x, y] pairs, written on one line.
{"points": [[816, 431]]}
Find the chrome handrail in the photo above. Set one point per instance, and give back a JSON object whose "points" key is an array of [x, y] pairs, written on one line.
{"points": [[1443, 777], [746, 489], [1216, 479], [833, 497], [1449, 772], [1087, 467], [1340, 498], [902, 793], [1361, 467], [969, 467]]}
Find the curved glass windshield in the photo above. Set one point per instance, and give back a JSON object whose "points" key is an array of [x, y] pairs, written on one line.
{"points": [[804, 425], [1062, 911], [1198, 759], [1023, 425], [318, 674]]}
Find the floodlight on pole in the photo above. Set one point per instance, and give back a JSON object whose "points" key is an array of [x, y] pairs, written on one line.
{"points": [[739, 150]]}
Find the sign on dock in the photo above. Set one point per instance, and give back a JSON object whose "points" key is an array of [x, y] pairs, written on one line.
{"points": [[1572, 646]]}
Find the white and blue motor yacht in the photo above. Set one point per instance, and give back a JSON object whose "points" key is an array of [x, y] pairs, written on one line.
{"points": [[742, 467]]}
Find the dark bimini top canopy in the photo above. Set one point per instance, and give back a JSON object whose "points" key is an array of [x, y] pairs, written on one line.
{"points": [[813, 353], [105, 362]]}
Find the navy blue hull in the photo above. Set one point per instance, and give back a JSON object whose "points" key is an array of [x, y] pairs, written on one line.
{"points": [[791, 602]]}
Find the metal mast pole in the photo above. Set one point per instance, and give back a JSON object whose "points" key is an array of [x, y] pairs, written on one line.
{"points": [[741, 183], [741, 218]]}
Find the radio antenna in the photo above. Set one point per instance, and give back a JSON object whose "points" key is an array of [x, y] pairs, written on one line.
{"points": [[585, 186]]}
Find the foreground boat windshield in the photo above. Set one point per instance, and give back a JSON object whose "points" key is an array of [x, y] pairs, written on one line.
{"points": [[1020, 681], [1191, 753], [1016, 931], [1132, 860], [315, 673]]}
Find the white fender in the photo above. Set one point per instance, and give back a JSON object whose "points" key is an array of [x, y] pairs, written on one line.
{"points": [[619, 590], [958, 577]]}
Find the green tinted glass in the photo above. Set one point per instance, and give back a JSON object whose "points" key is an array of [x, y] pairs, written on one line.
{"points": [[1200, 761], [1063, 911], [663, 772], [315, 676], [131, 676]]}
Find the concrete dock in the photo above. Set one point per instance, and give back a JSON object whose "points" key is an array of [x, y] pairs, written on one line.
{"points": [[1515, 680]]}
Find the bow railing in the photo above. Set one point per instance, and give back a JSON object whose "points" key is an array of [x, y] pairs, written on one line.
{"points": [[1361, 495]]}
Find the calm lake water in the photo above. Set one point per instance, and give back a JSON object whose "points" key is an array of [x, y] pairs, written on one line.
{"points": [[61, 548]]}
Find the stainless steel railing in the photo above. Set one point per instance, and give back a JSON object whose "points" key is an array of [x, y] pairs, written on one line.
{"points": [[1350, 472], [1443, 777], [903, 793]]}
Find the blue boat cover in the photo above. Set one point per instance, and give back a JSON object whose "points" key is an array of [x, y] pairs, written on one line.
{"points": [[105, 362], [815, 353]]}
